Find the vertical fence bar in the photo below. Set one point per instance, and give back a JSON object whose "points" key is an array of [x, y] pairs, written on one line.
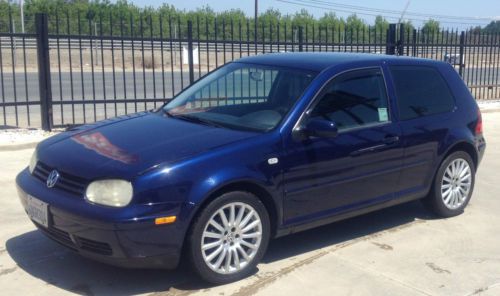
{"points": [[2, 84], [113, 61], [401, 42], [181, 52], [391, 40], [26, 81], [468, 55], [134, 76], [199, 43], [91, 49], [13, 53], [44, 81], [82, 80], [497, 62], [248, 37], [70, 60], [172, 78], [59, 66], [301, 39], [207, 44], [143, 61], [162, 58], [462, 47], [153, 63], [489, 80], [102, 67], [190, 51], [124, 72], [224, 41], [414, 43]]}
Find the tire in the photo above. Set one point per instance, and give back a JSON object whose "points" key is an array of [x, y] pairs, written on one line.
{"points": [[451, 190], [227, 240]]}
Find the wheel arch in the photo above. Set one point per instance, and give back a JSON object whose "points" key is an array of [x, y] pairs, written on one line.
{"points": [[465, 147], [248, 186]]}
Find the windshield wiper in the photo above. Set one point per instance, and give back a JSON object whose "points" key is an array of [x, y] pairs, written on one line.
{"points": [[195, 119], [166, 112]]}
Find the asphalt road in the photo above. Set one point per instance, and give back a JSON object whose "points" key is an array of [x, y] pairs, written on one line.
{"points": [[109, 86], [145, 85], [98, 87], [402, 250]]}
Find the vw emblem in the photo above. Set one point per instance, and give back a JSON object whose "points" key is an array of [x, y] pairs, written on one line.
{"points": [[52, 179]]}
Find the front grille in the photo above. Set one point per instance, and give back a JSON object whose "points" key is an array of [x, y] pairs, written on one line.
{"points": [[94, 246], [58, 235], [66, 182], [64, 238]]}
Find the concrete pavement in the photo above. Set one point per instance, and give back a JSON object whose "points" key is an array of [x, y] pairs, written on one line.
{"points": [[402, 250]]}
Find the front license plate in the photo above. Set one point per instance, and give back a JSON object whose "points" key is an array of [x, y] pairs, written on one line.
{"points": [[37, 210]]}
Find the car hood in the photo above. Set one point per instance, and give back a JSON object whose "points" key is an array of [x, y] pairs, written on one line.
{"points": [[127, 146]]}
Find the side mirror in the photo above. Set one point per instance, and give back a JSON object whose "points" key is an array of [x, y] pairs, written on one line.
{"points": [[319, 128]]}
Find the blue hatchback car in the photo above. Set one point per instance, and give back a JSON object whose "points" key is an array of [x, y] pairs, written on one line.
{"points": [[259, 148]]}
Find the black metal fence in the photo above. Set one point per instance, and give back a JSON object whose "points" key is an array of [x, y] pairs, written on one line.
{"points": [[77, 71]]}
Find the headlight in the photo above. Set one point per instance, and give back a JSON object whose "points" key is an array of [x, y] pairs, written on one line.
{"points": [[33, 161], [114, 193]]}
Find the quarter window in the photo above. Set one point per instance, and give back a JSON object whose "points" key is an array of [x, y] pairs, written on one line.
{"points": [[354, 99], [421, 91]]}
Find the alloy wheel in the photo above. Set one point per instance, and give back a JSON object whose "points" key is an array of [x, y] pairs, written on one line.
{"points": [[231, 238], [456, 183]]}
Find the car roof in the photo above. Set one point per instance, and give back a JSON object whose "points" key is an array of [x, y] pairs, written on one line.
{"points": [[318, 61]]}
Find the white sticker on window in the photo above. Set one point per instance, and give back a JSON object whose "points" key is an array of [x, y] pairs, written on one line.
{"points": [[382, 114]]}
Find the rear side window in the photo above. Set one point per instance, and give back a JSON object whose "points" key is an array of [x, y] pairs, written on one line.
{"points": [[421, 91]]}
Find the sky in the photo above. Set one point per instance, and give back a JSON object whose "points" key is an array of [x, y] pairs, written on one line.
{"points": [[461, 8]]}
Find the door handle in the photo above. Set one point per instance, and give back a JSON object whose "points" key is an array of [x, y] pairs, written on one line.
{"points": [[388, 140], [367, 150], [391, 140]]}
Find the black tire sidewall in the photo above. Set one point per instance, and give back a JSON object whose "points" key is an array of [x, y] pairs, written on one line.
{"points": [[435, 198], [194, 240]]}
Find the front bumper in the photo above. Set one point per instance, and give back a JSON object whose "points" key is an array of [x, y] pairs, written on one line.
{"points": [[134, 242]]}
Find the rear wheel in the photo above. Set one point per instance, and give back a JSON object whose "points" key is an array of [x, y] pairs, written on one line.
{"points": [[453, 185], [229, 237]]}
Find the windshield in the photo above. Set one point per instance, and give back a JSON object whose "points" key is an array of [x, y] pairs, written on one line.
{"points": [[241, 96]]}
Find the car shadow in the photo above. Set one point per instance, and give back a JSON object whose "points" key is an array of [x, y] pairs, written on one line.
{"points": [[54, 264], [346, 230]]}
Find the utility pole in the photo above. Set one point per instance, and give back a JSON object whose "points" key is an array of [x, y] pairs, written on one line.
{"points": [[404, 11], [21, 6], [95, 45]]}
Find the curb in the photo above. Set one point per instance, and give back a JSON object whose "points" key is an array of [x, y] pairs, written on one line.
{"points": [[493, 110], [16, 147]]}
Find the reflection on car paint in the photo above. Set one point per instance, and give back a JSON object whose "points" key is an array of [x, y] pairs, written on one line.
{"points": [[101, 145]]}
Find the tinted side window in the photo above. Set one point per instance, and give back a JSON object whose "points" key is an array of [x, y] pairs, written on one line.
{"points": [[354, 99], [421, 91]]}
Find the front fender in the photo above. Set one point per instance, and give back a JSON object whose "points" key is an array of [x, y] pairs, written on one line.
{"points": [[190, 182]]}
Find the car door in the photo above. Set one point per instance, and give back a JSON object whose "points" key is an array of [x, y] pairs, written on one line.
{"points": [[358, 167]]}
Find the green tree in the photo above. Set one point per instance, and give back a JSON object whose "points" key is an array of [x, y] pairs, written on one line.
{"points": [[355, 29], [408, 25], [430, 27], [381, 24], [493, 27]]}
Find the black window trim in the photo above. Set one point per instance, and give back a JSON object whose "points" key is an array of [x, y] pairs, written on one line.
{"points": [[455, 106], [316, 99]]}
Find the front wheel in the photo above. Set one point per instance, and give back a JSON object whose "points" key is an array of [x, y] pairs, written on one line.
{"points": [[229, 237], [453, 185]]}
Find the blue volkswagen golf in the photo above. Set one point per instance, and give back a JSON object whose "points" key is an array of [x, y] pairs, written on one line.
{"points": [[259, 148]]}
